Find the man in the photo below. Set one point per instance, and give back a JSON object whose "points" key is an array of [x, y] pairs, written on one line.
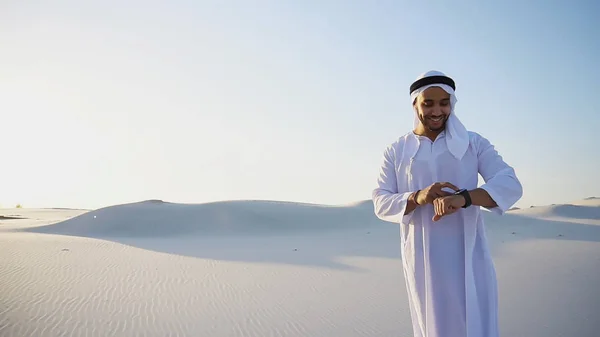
{"points": [[428, 184]]}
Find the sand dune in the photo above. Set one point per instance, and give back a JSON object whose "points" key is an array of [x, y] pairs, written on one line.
{"points": [[263, 268], [586, 211], [155, 218]]}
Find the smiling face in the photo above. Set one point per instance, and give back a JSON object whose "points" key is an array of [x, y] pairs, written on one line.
{"points": [[433, 108]]}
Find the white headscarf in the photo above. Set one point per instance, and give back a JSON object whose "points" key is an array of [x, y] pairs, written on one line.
{"points": [[457, 137]]}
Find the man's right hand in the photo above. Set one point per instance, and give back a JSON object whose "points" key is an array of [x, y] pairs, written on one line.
{"points": [[434, 191]]}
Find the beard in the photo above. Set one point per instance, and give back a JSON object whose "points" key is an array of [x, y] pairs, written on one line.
{"points": [[427, 123]]}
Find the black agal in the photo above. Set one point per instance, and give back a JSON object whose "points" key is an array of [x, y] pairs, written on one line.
{"points": [[432, 80]]}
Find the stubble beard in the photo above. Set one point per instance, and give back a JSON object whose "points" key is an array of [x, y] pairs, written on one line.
{"points": [[429, 128]]}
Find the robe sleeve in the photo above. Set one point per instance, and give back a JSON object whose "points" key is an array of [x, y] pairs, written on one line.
{"points": [[389, 203], [501, 182]]}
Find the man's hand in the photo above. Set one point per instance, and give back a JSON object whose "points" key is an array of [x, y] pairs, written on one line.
{"points": [[432, 192], [447, 205]]}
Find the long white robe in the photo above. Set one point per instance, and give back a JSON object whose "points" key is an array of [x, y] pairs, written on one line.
{"points": [[449, 272]]}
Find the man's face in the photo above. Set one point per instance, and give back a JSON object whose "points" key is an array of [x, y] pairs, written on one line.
{"points": [[433, 108]]}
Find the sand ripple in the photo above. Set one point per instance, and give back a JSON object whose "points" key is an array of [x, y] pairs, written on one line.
{"points": [[261, 280], [69, 286]]}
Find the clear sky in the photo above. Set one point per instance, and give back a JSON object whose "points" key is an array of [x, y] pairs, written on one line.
{"points": [[108, 102]]}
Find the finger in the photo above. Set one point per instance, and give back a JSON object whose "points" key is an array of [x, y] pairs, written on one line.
{"points": [[449, 185], [439, 194], [445, 208], [442, 208], [444, 194], [436, 216]]}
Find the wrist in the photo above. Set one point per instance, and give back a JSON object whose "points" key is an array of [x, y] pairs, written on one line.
{"points": [[414, 197], [466, 196]]}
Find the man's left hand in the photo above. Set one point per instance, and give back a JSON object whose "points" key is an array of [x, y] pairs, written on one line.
{"points": [[447, 205]]}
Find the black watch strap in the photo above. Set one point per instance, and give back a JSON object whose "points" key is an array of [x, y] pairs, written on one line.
{"points": [[466, 195]]}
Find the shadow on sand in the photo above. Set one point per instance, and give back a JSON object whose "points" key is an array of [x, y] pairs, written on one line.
{"points": [[319, 237], [332, 250], [520, 226]]}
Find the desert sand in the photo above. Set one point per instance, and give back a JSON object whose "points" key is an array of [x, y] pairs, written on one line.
{"points": [[262, 268]]}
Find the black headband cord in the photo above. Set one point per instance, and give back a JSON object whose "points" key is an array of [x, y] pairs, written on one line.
{"points": [[432, 80]]}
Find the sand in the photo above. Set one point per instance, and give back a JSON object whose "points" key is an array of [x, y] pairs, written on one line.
{"points": [[260, 268]]}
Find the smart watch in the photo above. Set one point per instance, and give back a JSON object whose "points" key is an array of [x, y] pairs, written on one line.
{"points": [[465, 193]]}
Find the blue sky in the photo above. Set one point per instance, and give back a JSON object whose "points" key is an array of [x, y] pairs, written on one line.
{"points": [[107, 102]]}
